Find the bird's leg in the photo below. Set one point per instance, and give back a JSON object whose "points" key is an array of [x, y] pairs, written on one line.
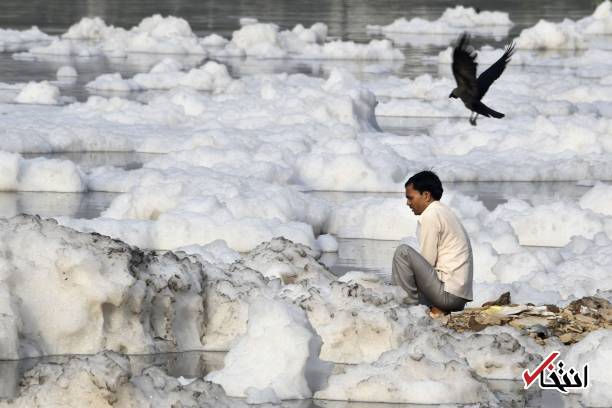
{"points": [[472, 120], [475, 117]]}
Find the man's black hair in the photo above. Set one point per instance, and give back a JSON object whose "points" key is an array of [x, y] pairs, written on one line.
{"points": [[427, 181]]}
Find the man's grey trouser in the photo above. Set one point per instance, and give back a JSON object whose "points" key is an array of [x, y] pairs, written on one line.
{"points": [[420, 281]]}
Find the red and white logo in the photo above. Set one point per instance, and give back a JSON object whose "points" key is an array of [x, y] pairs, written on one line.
{"points": [[557, 375]]}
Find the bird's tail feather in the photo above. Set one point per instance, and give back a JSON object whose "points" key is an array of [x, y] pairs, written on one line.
{"points": [[484, 110]]}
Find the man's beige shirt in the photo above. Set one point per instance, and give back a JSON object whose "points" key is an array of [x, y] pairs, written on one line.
{"points": [[445, 244]]}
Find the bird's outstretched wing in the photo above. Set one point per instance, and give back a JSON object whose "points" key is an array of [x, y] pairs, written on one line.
{"points": [[464, 67], [494, 71]]}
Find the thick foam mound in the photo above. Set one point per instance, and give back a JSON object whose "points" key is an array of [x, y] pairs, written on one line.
{"points": [[406, 376], [452, 21], [155, 34], [168, 74], [86, 293], [568, 34], [66, 71], [18, 40], [173, 35], [96, 380], [596, 351], [122, 298], [42, 93], [278, 356], [40, 174], [547, 35], [267, 41]]}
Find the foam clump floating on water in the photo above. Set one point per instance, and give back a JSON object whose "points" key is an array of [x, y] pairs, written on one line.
{"points": [[600, 58], [169, 74], [552, 224], [113, 82], [598, 199], [547, 35], [245, 21], [565, 35], [90, 29], [19, 40], [42, 93], [155, 34], [40, 174], [227, 209], [63, 47], [265, 40], [214, 41], [173, 35], [66, 71], [452, 21], [600, 22], [568, 34]]}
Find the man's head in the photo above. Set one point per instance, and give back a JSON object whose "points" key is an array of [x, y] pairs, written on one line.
{"points": [[421, 190]]}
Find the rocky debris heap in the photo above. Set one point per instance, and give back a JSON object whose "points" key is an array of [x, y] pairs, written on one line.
{"points": [[570, 324]]}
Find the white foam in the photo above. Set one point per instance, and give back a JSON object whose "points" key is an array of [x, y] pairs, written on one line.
{"points": [[327, 243], [598, 199], [173, 35], [452, 21], [72, 296], [154, 35], [266, 40], [406, 375], [168, 74], [39, 93], [277, 358], [595, 349], [18, 40], [66, 71], [547, 35], [600, 22], [568, 34]]}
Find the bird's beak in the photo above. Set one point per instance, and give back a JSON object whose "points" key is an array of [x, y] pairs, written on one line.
{"points": [[451, 95]]}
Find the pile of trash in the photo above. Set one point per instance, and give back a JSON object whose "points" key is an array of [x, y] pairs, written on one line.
{"points": [[569, 324]]}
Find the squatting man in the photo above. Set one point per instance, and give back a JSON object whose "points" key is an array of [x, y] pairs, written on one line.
{"points": [[440, 276]]}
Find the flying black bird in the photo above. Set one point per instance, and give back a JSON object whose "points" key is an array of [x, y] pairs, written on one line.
{"points": [[469, 89]]}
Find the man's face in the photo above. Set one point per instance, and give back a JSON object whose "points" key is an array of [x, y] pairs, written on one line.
{"points": [[416, 201]]}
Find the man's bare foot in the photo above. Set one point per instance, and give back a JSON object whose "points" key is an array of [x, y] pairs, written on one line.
{"points": [[434, 312]]}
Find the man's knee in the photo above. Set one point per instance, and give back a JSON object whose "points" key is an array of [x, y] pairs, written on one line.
{"points": [[403, 250]]}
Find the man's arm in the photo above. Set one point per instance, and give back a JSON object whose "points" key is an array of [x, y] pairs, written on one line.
{"points": [[429, 236]]}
